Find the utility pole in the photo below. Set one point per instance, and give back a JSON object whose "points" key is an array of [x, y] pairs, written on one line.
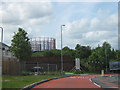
{"points": [[1, 57], [106, 56], [61, 51]]}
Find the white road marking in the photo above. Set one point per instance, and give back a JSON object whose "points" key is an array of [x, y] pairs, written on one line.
{"points": [[78, 77], [94, 83]]}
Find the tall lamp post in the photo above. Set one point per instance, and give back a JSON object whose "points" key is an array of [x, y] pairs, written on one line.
{"points": [[1, 35], [106, 57], [1, 43], [1, 58], [61, 51]]}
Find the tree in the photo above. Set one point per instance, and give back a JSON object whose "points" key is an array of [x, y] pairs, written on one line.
{"points": [[68, 52], [101, 56], [48, 53], [20, 46], [118, 55], [77, 48], [82, 52], [96, 60]]}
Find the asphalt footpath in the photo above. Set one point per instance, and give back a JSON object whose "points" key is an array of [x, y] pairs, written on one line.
{"points": [[108, 82]]}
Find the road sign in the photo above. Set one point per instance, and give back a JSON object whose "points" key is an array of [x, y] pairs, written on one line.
{"points": [[114, 65]]}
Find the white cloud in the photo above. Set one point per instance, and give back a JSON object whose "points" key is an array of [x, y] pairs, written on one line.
{"points": [[28, 15], [36, 10], [33, 16], [38, 21], [16, 13], [60, 0], [93, 31]]}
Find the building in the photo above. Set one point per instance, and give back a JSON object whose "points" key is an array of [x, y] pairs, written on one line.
{"points": [[6, 51], [42, 43]]}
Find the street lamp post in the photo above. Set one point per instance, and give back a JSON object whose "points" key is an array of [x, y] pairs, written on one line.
{"points": [[1, 35], [106, 56], [61, 51], [1, 58], [1, 43]]}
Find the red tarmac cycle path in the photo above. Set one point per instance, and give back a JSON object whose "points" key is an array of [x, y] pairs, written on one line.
{"points": [[82, 81]]}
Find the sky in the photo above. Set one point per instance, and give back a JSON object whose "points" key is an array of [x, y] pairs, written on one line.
{"points": [[86, 23]]}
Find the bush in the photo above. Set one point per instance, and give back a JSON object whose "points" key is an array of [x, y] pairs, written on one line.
{"points": [[25, 73], [78, 72]]}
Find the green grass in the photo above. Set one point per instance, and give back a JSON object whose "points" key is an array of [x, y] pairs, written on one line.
{"points": [[22, 81]]}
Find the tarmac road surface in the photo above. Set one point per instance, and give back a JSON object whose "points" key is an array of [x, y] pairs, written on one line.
{"points": [[108, 81], [83, 81]]}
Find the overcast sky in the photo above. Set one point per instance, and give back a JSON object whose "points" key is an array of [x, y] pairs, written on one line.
{"points": [[87, 23]]}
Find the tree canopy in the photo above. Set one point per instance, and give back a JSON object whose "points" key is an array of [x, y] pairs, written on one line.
{"points": [[92, 59], [20, 46]]}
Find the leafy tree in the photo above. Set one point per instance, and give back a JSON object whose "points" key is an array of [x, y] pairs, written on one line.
{"points": [[48, 53], [82, 52], [53, 52], [101, 56], [37, 53], [20, 46], [68, 52], [56, 52], [106, 49], [96, 59], [77, 48], [113, 55], [118, 54]]}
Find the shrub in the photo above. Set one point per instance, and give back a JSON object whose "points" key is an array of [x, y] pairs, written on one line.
{"points": [[25, 73], [78, 72]]}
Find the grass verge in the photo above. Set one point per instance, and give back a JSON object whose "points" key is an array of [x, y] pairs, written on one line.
{"points": [[18, 82]]}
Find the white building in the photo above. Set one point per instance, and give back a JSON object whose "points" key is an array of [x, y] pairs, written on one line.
{"points": [[6, 51]]}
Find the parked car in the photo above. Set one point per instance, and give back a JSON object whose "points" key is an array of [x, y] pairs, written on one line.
{"points": [[37, 69]]}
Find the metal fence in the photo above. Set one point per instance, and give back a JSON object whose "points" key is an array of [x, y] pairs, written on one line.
{"points": [[37, 66], [13, 67]]}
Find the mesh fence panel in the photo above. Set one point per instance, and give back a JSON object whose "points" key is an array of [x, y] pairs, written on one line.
{"points": [[34, 67]]}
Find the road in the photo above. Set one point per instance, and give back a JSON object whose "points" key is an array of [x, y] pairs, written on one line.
{"points": [[83, 81], [108, 81]]}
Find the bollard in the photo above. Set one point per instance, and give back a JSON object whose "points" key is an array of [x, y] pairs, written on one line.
{"points": [[102, 72]]}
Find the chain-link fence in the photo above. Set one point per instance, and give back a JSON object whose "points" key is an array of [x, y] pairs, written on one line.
{"points": [[41, 65], [40, 68], [11, 67]]}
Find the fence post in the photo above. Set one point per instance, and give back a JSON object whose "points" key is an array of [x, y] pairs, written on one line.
{"points": [[48, 68], [37, 68], [56, 68], [24, 66]]}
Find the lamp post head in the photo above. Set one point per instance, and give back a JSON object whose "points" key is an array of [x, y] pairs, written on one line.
{"points": [[62, 25]]}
